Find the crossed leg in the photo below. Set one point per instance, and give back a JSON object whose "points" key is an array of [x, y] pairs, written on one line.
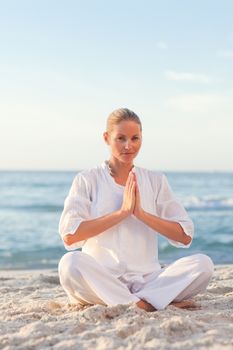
{"points": [[87, 282], [178, 282]]}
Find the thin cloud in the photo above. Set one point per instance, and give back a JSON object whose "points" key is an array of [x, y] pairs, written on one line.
{"points": [[202, 103], [187, 77], [226, 53], [162, 45]]}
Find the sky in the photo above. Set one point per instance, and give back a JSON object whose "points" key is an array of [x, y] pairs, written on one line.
{"points": [[66, 65]]}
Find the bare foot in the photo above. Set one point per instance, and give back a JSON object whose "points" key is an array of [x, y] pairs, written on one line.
{"points": [[186, 304], [145, 306]]}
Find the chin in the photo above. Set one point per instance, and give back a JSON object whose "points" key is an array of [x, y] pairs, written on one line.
{"points": [[128, 159]]}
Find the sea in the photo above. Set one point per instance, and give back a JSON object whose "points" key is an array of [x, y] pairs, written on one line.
{"points": [[31, 203]]}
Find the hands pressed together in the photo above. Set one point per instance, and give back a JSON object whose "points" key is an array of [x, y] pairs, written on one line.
{"points": [[131, 199], [131, 205]]}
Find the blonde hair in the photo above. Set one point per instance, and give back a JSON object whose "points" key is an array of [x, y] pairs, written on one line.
{"points": [[119, 115]]}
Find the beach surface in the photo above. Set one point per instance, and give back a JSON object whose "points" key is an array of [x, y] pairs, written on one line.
{"points": [[36, 314]]}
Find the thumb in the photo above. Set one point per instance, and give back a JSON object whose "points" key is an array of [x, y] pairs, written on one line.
{"points": [[136, 187]]}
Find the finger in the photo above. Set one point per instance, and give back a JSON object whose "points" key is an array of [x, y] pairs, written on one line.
{"points": [[129, 178], [127, 185], [137, 193], [132, 190], [136, 190], [127, 181], [132, 185], [134, 175]]}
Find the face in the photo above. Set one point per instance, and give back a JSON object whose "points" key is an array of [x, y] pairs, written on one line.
{"points": [[124, 140]]}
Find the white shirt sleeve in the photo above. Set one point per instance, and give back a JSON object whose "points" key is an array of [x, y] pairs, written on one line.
{"points": [[76, 209], [170, 208]]}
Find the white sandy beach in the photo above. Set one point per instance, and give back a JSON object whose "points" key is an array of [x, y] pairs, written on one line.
{"points": [[36, 314]]}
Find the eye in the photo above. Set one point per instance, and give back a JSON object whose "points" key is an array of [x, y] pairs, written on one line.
{"points": [[121, 138], [136, 138]]}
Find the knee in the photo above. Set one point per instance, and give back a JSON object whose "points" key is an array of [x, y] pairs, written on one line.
{"points": [[68, 262], [205, 264]]}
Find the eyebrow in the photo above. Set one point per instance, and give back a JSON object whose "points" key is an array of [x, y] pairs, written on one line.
{"points": [[125, 135]]}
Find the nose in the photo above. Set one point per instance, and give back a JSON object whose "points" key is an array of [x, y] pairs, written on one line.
{"points": [[127, 144]]}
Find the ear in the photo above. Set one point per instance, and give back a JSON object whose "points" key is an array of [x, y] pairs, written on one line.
{"points": [[106, 137]]}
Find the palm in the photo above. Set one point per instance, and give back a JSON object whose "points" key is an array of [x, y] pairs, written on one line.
{"points": [[137, 207], [129, 195]]}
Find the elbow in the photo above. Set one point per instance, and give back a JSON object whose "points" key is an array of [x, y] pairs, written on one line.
{"points": [[186, 239], [68, 239]]}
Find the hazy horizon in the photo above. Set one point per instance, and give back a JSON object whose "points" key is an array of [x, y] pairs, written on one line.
{"points": [[151, 168], [65, 66]]}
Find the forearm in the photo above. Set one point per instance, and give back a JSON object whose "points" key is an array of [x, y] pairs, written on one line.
{"points": [[169, 229], [91, 228]]}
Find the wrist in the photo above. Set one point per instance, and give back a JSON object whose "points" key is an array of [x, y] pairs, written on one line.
{"points": [[140, 214], [124, 213]]}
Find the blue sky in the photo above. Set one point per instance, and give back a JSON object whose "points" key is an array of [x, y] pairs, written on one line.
{"points": [[65, 65]]}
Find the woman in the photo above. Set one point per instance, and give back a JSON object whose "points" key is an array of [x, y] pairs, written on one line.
{"points": [[114, 212]]}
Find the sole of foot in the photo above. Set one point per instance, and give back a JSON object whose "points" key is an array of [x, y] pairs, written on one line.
{"points": [[142, 304], [186, 304]]}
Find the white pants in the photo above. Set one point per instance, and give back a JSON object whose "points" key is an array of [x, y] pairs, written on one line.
{"points": [[87, 282]]}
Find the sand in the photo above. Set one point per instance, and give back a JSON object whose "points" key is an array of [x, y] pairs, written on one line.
{"points": [[36, 314]]}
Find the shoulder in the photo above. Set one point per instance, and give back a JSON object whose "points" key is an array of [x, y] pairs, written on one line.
{"points": [[156, 177], [89, 176], [90, 172]]}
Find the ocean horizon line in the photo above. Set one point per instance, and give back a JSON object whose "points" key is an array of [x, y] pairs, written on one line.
{"points": [[52, 268], [75, 170]]}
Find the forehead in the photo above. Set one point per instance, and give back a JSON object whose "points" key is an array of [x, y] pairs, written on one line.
{"points": [[127, 127]]}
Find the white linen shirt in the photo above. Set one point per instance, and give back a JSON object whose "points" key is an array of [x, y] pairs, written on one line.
{"points": [[130, 247]]}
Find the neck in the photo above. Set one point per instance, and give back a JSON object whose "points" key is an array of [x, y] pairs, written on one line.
{"points": [[119, 169]]}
